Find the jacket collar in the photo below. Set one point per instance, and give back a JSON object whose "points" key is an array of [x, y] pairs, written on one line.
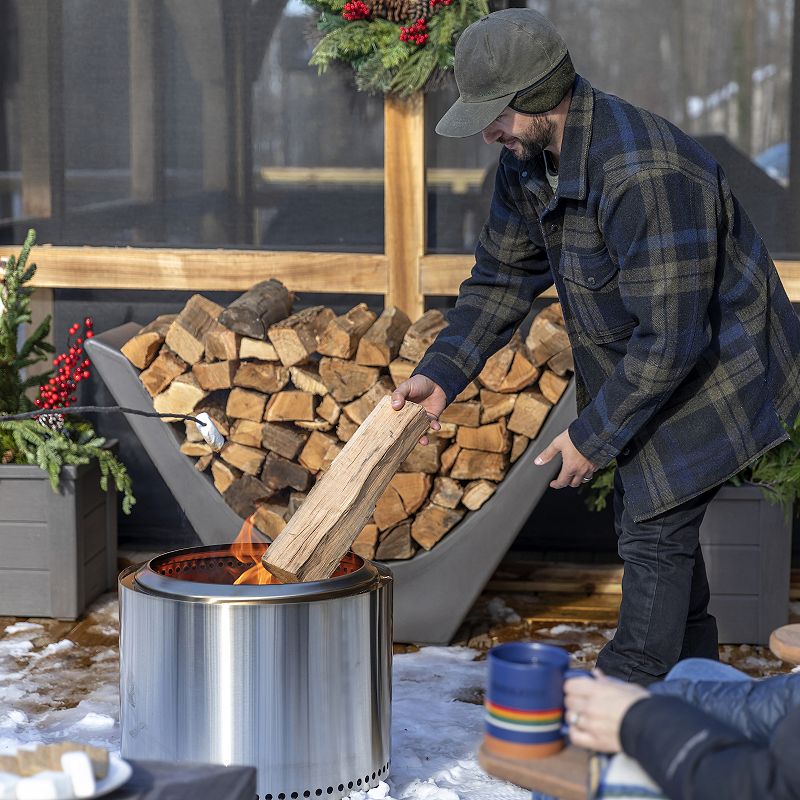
{"points": [[572, 171]]}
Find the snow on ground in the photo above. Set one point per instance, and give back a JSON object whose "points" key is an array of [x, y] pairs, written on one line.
{"points": [[60, 690]]}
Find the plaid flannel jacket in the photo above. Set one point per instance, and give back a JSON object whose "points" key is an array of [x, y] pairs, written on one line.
{"points": [[686, 346]]}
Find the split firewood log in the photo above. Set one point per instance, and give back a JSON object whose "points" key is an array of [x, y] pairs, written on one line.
{"points": [[186, 335], [467, 414], [341, 336], [420, 335], [316, 424], [492, 438], [246, 404], [425, 457], [446, 492], [475, 464], [285, 440], [361, 408], [256, 349], [345, 428], [413, 488], [495, 405], [476, 493], [214, 406], [510, 369], [222, 344], [216, 374], [162, 371], [547, 336], [264, 376], [143, 347], [202, 463], [268, 520], [307, 379], [448, 458], [329, 409], [195, 449], [246, 432], [329, 458], [552, 386], [396, 544], [389, 510], [313, 454], [469, 392], [224, 475], [252, 313], [180, 397], [432, 523], [290, 405], [295, 338], [447, 430], [346, 380], [562, 363], [381, 343], [518, 446], [245, 494], [400, 369], [366, 541], [530, 412], [280, 473], [247, 459]]}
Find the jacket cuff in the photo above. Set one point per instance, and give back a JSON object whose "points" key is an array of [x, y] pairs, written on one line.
{"points": [[443, 371], [590, 444]]}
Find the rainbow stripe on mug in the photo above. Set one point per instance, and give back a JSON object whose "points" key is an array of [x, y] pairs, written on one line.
{"points": [[524, 705]]}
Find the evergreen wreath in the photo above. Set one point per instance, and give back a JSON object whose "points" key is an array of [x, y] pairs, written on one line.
{"points": [[394, 46], [52, 439]]}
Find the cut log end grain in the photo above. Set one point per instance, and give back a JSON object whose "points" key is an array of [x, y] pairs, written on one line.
{"points": [[380, 345], [290, 405], [492, 438], [329, 409], [285, 440], [257, 350], [244, 495], [186, 335], [268, 521], [280, 473], [337, 508], [420, 335], [143, 347], [315, 449], [224, 475], [263, 376], [446, 492], [366, 542], [518, 446], [432, 523], [552, 386], [495, 405], [247, 432], [246, 459], [246, 404], [346, 380], [222, 344], [341, 336], [475, 464], [307, 380], [360, 409], [476, 493], [215, 375], [530, 412], [162, 371], [413, 488], [396, 544], [180, 397], [295, 338], [467, 414]]}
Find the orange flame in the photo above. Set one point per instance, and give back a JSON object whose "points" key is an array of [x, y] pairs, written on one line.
{"points": [[248, 547]]}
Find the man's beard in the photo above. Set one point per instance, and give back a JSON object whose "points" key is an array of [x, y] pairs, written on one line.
{"points": [[538, 135]]}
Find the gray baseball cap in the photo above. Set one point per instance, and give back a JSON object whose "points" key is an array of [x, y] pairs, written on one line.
{"points": [[514, 57]]}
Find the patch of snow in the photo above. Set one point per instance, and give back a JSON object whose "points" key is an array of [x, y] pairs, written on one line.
{"points": [[500, 611], [19, 627]]}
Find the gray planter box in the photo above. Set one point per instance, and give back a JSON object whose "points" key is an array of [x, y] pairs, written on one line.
{"points": [[57, 551], [747, 546]]}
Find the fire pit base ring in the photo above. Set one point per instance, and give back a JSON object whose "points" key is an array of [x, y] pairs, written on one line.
{"points": [[294, 679]]}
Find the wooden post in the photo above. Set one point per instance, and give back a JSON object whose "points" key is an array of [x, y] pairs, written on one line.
{"points": [[42, 113], [404, 201]]}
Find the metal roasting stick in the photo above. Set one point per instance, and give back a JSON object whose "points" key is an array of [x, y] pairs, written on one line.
{"points": [[204, 423]]}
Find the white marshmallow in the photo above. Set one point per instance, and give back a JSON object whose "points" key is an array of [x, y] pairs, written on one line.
{"points": [[47, 785], [209, 431], [78, 766], [8, 783]]}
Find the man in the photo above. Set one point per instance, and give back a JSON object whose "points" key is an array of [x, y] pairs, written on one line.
{"points": [[685, 344]]}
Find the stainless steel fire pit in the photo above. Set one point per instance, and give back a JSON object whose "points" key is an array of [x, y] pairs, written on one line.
{"points": [[293, 679]]}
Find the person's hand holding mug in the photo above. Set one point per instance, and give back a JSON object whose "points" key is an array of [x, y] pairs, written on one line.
{"points": [[595, 710], [422, 390]]}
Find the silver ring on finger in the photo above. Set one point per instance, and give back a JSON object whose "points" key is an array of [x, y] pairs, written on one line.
{"points": [[573, 719], [586, 479]]}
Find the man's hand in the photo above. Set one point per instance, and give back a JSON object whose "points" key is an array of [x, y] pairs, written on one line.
{"points": [[422, 390], [595, 710], [575, 469]]}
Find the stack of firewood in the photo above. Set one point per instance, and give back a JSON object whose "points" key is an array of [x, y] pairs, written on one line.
{"points": [[287, 390]]}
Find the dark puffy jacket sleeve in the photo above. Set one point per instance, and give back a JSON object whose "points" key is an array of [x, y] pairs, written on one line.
{"points": [[510, 271], [693, 756], [752, 707]]}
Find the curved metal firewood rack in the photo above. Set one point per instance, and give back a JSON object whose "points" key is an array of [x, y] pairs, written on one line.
{"points": [[432, 591]]}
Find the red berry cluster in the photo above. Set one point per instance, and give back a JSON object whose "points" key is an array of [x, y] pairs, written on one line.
{"points": [[72, 368], [434, 3], [417, 32], [356, 9]]}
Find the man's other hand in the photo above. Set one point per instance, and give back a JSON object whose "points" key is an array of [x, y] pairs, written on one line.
{"points": [[422, 390], [575, 468]]}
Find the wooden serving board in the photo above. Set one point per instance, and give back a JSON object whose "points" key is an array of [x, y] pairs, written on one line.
{"points": [[564, 775]]}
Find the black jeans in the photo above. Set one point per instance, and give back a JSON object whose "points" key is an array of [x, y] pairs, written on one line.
{"points": [[664, 613]]}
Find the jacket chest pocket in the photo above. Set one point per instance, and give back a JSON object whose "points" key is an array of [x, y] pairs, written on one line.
{"points": [[592, 286]]}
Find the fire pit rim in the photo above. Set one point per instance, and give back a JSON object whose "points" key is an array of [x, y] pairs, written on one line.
{"points": [[144, 577]]}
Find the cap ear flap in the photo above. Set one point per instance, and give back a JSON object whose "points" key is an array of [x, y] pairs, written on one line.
{"points": [[547, 93]]}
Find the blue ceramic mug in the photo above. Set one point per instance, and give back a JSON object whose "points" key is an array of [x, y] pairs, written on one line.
{"points": [[525, 699]]}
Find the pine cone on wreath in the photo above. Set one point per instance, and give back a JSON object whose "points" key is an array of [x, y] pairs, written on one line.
{"points": [[398, 10]]}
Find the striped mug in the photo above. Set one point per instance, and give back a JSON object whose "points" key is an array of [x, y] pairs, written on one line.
{"points": [[525, 700]]}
